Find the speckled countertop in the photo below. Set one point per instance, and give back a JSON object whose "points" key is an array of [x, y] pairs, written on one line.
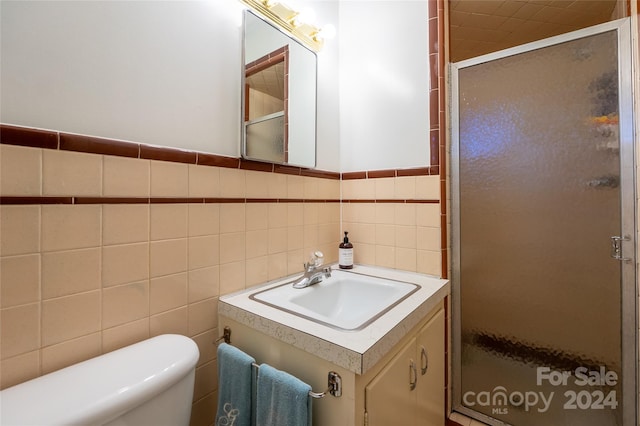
{"points": [[356, 351]]}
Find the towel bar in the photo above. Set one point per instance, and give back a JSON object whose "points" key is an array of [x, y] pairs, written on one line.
{"points": [[333, 379], [334, 385], [226, 336]]}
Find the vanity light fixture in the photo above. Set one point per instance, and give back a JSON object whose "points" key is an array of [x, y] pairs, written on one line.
{"points": [[288, 20]]}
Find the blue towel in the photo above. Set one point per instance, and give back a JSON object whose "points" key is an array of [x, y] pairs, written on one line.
{"points": [[235, 386], [282, 400]]}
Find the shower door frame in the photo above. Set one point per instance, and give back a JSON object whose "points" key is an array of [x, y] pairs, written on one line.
{"points": [[628, 196]]}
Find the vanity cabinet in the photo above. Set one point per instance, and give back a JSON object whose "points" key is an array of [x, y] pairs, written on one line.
{"points": [[409, 389], [382, 395]]}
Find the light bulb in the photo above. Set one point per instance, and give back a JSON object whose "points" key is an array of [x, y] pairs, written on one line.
{"points": [[327, 32], [307, 15]]}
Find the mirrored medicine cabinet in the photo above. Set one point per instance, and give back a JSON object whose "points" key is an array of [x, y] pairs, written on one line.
{"points": [[278, 96]]}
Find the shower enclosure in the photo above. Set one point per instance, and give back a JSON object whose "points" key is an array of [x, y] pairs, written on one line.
{"points": [[543, 221]]}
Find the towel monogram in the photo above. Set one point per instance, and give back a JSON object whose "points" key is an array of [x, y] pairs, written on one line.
{"points": [[229, 418]]}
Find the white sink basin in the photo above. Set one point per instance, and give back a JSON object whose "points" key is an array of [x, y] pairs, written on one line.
{"points": [[346, 301]]}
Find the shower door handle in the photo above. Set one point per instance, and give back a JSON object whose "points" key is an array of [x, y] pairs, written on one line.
{"points": [[608, 181], [616, 248]]}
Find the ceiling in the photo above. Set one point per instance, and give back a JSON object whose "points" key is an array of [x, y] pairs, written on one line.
{"points": [[269, 81], [483, 26]]}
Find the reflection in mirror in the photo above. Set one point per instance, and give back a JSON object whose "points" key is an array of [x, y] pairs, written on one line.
{"points": [[265, 106], [279, 96]]}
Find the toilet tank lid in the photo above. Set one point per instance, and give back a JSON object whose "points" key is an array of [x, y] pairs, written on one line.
{"points": [[102, 388]]}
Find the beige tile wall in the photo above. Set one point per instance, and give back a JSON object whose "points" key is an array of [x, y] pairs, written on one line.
{"points": [[388, 231], [80, 280]]}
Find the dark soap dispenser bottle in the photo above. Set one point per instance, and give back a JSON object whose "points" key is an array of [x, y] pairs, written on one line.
{"points": [[345, 253]]}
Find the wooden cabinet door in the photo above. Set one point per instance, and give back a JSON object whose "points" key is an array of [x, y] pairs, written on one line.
{"points": [[431, 362], [389, 397]]}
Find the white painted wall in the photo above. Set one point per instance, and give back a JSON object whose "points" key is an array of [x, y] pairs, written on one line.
{"points": [[328, 90], [164, 73], [384, 84], [168, 73]]}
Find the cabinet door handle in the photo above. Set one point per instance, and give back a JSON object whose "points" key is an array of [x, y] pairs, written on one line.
{"points": [[413, 375], [424, 360]]}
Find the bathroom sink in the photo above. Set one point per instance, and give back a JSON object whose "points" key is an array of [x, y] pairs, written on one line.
{"points": [[345, 301]]}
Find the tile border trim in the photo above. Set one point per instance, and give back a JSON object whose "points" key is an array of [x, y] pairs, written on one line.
{"points": [[392, 173], [42, 200], [50, 139], [391, 200], [72, 200]]}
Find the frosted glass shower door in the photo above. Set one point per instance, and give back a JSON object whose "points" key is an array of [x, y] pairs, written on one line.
{"points": [[542, 199]]}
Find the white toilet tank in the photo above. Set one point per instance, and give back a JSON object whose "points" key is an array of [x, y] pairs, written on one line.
{"points": [[148, 383]]}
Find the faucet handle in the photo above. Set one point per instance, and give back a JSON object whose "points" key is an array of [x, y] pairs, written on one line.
{"points": [[317, 259]]}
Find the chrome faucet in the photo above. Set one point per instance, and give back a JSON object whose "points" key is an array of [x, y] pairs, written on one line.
{"points": [[313, 272]]}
